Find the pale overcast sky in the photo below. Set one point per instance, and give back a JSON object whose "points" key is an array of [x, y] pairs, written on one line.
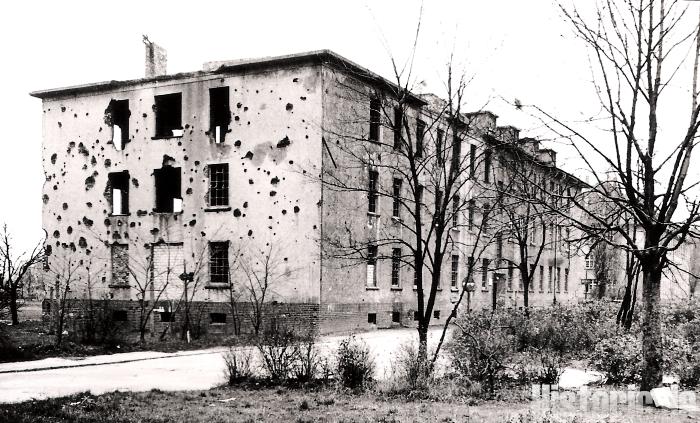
{"points": [[514, 48]]}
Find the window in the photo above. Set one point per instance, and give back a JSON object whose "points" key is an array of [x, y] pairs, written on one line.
{"points": [[510, 278], [168, 115], [398, 126], [484, 273], [218, 185], [589, 262], [566, 280], [218, 262], [487, 166], [416, 316], [374, 119], [372, 265], [436, 314], [396, 198], [119, 190], [472, 208], [439, 153], [455, 212], [372, 318], [419, 193], [120, 264], [550, 275], [454, 275], [541, 278], [558, 283], [372, 194], [167, 182], [456, 151], [120, 315], [396, 317], [167, 316], [219, 113], [420, 134], [499, 245], [395, 267], [484, 218], [217, 318], [472, 160], [117, 115]]}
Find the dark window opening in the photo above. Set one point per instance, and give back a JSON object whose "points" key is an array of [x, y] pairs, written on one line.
{"points": [[217, 318], [372, 265], [454, 275], [218, 184], [396, 317], [372, 318], [119, 192], [374, 119], [219, 113], [484, 273], [167, 316], [119, 315], [398, 126], [118, 118], [167, 182], [472, 160], [168, 115], [396, 197], [472, 208], [373, 196], [455, 211], [218, 262], [438, 146], [436, 314], [499, 245], [395, 266], [487, 166], [420, 134], [456, 152], [120, 264], [416, 316]]}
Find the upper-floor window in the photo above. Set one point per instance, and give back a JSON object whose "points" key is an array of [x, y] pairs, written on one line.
{"points": [[420, 134], [456, 151], [395, 267], [219, 113], [372, 191], [472, 160], [439, 149], [375, 105], [218, 262], [218, 185], [454, 274], [455, 211], [119, 190], [398, 127], [372, 265], [117, 115], [487, 166], [167, 184], [396, 198], [589, 262], [168, 115]]}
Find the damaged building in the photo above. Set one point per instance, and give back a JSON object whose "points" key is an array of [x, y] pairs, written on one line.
{"points": [[187, 185]]}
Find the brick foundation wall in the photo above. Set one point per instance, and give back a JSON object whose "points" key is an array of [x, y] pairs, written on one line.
{"points": [[346, 318]]}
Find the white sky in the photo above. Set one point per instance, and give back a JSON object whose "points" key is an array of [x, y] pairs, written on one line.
{"points": [[514, 49]]}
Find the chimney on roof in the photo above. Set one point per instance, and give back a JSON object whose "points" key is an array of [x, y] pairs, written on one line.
{"points": [[156, 59], [530, 145]]}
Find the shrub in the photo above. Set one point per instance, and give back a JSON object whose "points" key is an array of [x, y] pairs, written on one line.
{"points": [[410, 370], [278, 350], [619, 357], [238, 366], [689, 376], [308, 361], [354, 364]]}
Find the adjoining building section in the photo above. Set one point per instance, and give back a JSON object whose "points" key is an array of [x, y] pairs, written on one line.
{"points": [[203, 194]]}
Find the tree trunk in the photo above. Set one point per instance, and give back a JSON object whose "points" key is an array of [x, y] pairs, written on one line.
{"points": [[422, 341], [13, 304], [652, 350]]}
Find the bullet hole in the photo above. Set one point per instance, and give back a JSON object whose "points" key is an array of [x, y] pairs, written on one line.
{"points": [[132, 224], [58, 217], [284, 142], [45, 199], [196, 162], [65, 206], [56, 234], [82, 150], [284, 211], [236, 118], [302, 98], [237, 143], [250, 181], [245, 109], [237, 213], [87, 222], [248, 155], [239, 105], [188, 191], [89, 204], [89, 183], [93, 161], [72, 247], [250, 232], [193, 222], [289, 107], [154, 231], [108, 163], [186, 158], [48, 249], [135, 182], [273, 193], [116, 236], [60, 125], [269, 217], [314, 227], [63, 109], [82, 242], [296, 209], [144, 115], [141, 213], [55, 187], [245, 205], [107, 222], [275, 181], [291, 162], [295, 80], [54, 156]]}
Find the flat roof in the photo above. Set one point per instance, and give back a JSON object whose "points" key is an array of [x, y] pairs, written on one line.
{"points": [[231, 67]]}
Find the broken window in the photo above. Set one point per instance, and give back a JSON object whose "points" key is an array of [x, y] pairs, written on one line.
{"points": [[395, 266], [219, 113], [117, 116], [396, 197], [218, 185], [374, 119], [420, 133], [398, 125], [487, 166], [167, 182], [372, 194], [217, 318], [396, 317], [438, 146], [372, 318], [218, 262], [372, 265], [119, 315], [456, 151], [120, 264], [484, 273], [436, 314], [167, 316], [472, 160], [119, 190], [454, 275], [169, 115], [167, 264]]}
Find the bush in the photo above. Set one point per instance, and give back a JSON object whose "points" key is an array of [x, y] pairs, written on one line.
{"points": [[279, 352], [238, 366], [354, 364], [620, 358], [308, 361], [410, 370]]}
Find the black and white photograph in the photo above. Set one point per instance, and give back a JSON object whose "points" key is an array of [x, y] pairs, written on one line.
{"points": [[350, 211]]}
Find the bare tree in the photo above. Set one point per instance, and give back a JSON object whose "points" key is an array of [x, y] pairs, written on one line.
{"points": [[13, 268], [65, 270], [640, 50]]}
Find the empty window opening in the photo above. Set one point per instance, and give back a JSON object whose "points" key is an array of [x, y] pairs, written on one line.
{"points": [[218, 262], [120, 264], [396, 197], [454, 275], [395, 267], [218, 185], [416, 316], [439, 153], [372, 194], [169, 115], [119, 192], [456, 151], [487, 166], [484, 273], [455, 211], [396, 317], [119, 315], [472, 160], [167, 316], [420, 134], [372, 318], [398, 124], [219, 113], [168, 198], [472, 209], [117, 116], [217, 318], [436, 314], [372, 265], [374, 119]]}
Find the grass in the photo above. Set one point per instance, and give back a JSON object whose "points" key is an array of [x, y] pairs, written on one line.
{"points": [[279, 404]]}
